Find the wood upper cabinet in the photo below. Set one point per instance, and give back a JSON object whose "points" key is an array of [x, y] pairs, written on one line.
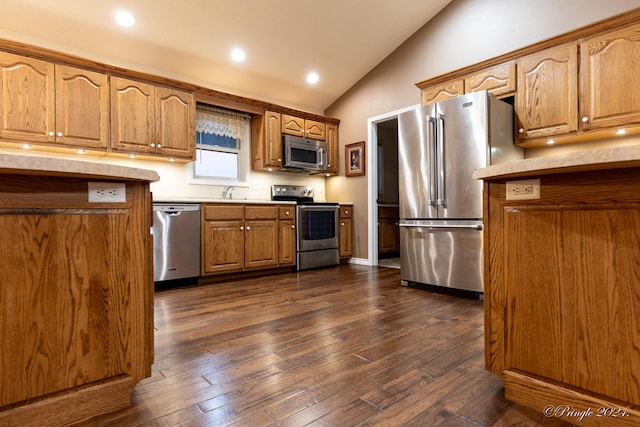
{"points": [[333, 148], [266, 141], [149, 119], [546, 102], [27, 100], [298, 126], [442, 91], [176, 123], [609, 81], [499, 80], [43, 102], [346, 231]]}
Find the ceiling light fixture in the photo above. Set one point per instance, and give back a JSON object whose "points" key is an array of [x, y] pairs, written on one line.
{"points": [[621, 131], [238, 55], [551, 141], [125, 19], [313, 78]]}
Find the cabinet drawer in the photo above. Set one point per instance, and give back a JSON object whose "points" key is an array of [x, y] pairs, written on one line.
{"points": [[222, 212], [287, 212], [346, 211], [261, 212]]}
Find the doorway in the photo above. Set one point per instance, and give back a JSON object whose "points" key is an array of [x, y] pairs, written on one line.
{"points": [[387, 194], [383, 189]]}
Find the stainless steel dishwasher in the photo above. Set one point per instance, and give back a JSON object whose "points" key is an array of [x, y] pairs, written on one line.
{"points": [[176, 241]]}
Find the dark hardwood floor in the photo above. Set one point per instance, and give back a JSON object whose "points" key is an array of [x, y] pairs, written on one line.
{"points": [[343, 346]]}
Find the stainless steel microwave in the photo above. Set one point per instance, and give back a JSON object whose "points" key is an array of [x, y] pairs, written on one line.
{"points": [[304, 154]]}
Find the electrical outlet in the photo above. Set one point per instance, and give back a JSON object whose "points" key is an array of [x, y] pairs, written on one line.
{"points": [[107, 192], [525, 189]]}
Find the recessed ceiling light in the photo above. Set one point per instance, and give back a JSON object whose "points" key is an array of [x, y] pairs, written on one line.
{"points": [[621, 131], [238, 55], [551, 141], [312, 78], [125, 19]]}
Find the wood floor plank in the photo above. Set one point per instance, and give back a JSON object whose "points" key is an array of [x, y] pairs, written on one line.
{"points": [[341, 346]]}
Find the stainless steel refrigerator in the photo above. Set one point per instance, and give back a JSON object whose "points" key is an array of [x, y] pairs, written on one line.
{"points": [[439, 147]]}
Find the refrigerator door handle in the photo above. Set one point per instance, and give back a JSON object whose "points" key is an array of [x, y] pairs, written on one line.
{"points": [[431, 143], [441, 200], [444, 226]]}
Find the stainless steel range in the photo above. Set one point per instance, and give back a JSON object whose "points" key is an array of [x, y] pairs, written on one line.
{"points": [[316, 224]]}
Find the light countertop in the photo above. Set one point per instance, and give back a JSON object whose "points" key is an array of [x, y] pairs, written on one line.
{"points": [[165, 199], [35, 165], [600, 159]]}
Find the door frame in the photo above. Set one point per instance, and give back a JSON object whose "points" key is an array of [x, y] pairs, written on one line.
{"points": [[372, 180]]}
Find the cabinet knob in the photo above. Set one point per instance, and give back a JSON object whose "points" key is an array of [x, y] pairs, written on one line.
{"points": [[279, 160], [585, 119], [241, 228], [286, 212], [342, 224], [293, 226], [159, 146], [153, 145], [59, 133], [248, 228], [521, 130], [51, 133], [346, 212]]}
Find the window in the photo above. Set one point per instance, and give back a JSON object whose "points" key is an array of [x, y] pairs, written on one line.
{"points": [[222, 146]]}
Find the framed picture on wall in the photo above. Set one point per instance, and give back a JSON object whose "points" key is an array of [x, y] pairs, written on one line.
{"points": [[354, 159]]}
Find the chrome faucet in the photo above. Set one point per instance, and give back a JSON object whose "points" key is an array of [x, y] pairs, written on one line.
{"points": [[228, 192]]}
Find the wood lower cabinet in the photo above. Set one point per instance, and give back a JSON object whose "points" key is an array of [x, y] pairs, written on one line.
{"points": [[562, 295], [149, 119], [76, 296], [43, 102], [287, 236], [388, 231], [346, 231], [238, 237]]}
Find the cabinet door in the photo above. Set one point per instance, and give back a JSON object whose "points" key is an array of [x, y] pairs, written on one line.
{"points": [[315, 130], [27, 100], [223, 247], [292, 125], [333, 148], [261, 243], [132, 116], [609, 81], [272, 140], [499, 80], [346, 239], [175, 121], [82, 107], [443, 91], [287, 243], [547, 96]]}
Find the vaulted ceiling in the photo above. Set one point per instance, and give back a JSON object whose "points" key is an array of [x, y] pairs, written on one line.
{"points": [[191, 40]]}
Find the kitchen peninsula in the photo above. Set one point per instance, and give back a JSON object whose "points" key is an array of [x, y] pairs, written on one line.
{"points": [[76, 293], [562, 283]]}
